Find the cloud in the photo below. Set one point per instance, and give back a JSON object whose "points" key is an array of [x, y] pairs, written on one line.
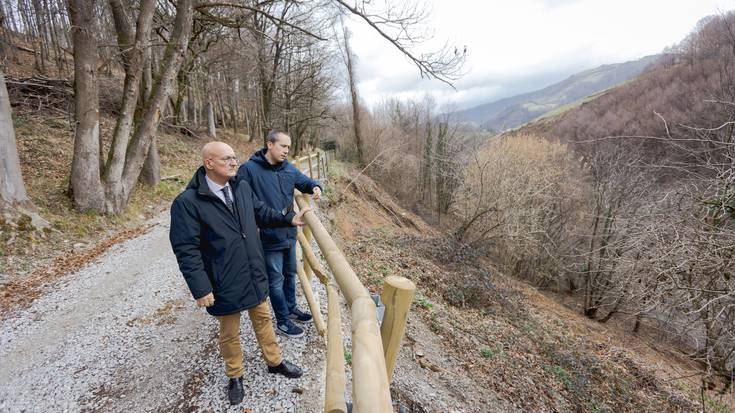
{"points": [[524, 45]]}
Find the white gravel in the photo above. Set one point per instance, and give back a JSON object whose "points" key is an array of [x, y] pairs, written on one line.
{"points": [[123, 334]]}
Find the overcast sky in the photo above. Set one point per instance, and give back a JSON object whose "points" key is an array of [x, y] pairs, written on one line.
{"points": [[517, 46]]}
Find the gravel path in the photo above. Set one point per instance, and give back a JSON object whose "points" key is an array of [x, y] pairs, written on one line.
{"points": [[123, 334]]}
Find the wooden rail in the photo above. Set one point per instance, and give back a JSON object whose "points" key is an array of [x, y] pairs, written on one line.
{"points": [[374, 347]]}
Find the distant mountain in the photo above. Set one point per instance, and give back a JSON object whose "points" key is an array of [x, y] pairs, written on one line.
{"points": [[514, 111]]}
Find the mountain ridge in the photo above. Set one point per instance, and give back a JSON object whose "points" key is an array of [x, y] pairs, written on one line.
{"points": [[511, 112]]}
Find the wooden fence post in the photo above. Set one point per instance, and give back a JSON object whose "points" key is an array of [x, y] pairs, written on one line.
{"points": [[334, 394], [318, 165], [310, 299], [370, 385], [307, 233], [397, 297]]}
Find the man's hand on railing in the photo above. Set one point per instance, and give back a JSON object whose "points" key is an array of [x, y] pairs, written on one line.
{"points": [[297, 220], [317, 193]]}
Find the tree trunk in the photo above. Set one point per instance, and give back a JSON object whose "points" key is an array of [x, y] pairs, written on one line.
{"points": [[587, 274], [427, 164], [234, 109], [222, 113], [151, 173], [637, 325], [353, 95], [86, 185], [211, 130], [54, 37], [42, 34], [179, 114], [191, 102], [132, 51], [12, 189], [170, 65], [248, 127]]}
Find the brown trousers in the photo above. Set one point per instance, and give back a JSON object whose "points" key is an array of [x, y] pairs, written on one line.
{"points": [[229, 339]]}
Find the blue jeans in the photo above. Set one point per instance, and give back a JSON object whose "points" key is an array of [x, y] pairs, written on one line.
{"points": [[281, 267]]}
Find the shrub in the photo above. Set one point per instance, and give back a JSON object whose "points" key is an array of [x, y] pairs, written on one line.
{"points": [[519, 201]]}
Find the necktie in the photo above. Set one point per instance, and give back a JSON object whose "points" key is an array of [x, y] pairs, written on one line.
{"points": [[228, 199]]}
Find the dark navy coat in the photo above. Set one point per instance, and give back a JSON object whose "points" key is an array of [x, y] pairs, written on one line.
{"points": [[218, 251], [274, 185]]}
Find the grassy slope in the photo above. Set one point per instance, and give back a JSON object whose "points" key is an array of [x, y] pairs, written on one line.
{"points": [[491, 343]]}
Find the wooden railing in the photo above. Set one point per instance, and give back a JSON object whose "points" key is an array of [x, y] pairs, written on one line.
{"points": [[374, 346], [316, 164]]}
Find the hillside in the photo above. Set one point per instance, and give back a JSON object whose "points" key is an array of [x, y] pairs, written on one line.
{"points": [[514, 111], [657, 155], [479, 341]]}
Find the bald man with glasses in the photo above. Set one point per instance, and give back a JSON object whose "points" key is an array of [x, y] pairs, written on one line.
{"points": [[214, 234]]}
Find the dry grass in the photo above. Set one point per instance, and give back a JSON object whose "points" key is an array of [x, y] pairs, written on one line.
{"points": [[527, 348]]}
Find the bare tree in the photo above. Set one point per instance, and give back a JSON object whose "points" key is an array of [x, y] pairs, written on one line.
{"points": [[447, 163], [402, 25], [12, 188], [110, 192], [618, 184], [349, 59]]}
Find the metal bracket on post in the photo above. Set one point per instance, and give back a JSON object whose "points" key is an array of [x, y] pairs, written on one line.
{"points": [[379, 307]]}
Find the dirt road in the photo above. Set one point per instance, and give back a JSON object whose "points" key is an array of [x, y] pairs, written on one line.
{"points": [[123, 334]]}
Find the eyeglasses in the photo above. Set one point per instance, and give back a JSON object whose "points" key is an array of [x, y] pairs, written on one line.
{"points": [[228, 159]]}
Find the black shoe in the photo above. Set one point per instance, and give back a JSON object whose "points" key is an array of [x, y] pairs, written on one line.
{"points": [[235, 391], [289, 370], [299, 316]]}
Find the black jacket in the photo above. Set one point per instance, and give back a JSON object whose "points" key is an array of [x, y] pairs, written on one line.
{"points": [[218, 251], [274, 185]]}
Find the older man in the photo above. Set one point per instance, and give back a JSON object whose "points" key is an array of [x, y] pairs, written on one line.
{"points": [[216, 242], [273, 180]]}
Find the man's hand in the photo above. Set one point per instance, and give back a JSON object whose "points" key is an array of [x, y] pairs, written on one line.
{"points": [[316, 193], [206, 301], [297, 220]]}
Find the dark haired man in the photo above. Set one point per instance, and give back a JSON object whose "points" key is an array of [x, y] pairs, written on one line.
{"points": [[273, 180]]}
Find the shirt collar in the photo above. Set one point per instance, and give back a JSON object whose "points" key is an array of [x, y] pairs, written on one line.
{"points": [[214, 186]]}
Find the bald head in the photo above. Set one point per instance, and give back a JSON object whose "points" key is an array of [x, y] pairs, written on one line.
{"points": [[213, 150], [220, 162]]}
